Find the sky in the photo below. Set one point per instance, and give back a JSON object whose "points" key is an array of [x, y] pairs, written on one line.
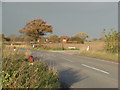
{"points": [[67, 18]]}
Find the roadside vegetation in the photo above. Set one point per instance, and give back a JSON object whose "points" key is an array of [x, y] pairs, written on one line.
{"points": [[108, 50], [97, 50], [18, 73], [111, 41]]}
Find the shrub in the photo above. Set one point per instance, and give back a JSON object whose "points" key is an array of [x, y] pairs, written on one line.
{"points": [[77, 39], [111, 40], [54, 38], [94, 39]]}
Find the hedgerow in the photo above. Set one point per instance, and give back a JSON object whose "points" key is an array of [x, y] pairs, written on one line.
{"points": [[18, 73]]}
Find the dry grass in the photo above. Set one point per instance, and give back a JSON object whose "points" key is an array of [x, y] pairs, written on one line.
{"points": [[95, 46], [96, 49], [23, 46], [102, 55]]}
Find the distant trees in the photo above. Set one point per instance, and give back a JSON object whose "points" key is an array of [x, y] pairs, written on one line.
{"points": [[12, 37], [94, 39], [74, 39], [81, 35], [101, 39], [7, 39], [79, 40], [36, 28], [4, 38], [53, 38]]}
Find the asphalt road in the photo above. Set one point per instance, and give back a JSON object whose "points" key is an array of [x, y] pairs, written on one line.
{"points": [[81, 72]]}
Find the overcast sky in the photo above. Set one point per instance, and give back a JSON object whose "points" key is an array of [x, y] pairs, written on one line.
{"points": [[66, 18]]}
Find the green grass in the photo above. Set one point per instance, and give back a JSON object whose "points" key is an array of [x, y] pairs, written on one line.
{"points": [[20, 74], [57, 49], [101, 55]]}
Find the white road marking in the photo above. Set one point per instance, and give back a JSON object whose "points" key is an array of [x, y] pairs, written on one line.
{"points": [[67, 59], [96, 69]]}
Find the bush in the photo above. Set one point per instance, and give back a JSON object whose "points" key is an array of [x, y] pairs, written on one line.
{"points": [[94, 39], [20, 74], [77, 39], [54, 38], [111, 40]]}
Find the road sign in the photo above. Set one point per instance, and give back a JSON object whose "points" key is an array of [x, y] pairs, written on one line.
{"points": [[64, 41]]}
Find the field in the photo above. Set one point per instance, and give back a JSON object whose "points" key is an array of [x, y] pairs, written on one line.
{"points": [[95, 46]]}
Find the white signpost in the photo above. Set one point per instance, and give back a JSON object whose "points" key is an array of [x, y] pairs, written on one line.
{"points": [[88, 48], [63, 41], [33, 46]]}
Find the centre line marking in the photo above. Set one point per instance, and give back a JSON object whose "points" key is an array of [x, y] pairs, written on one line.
{"points": [[96, 69], [67, 59]]}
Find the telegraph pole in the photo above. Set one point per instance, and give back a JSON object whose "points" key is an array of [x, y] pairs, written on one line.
{"points": [[63, 41], [62, 46]]}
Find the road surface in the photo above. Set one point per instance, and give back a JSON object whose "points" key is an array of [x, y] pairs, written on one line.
{"points": [[79, 71]]}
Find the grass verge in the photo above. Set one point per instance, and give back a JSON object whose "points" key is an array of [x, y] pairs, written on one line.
{"points": [[100, 55]]}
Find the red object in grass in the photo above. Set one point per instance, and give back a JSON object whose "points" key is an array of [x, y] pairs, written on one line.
{"points": [[14, 47], [31, 58]]}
